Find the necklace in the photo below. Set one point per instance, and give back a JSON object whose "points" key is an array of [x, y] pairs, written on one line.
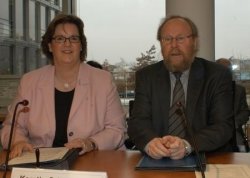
{"points": [[66, 85]]}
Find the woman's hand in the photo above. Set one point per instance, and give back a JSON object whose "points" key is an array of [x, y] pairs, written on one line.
{"points": [[86, 145], [19, 147]]}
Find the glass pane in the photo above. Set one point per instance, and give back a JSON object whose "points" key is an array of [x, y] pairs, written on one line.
{"points": [[5, 30], [43, 20], [19, 61], [5, 58], [19, 20], [52, 14], [32, 21]]}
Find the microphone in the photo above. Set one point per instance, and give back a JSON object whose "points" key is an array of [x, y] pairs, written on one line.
{"points": [[180, 111], [37, 157], [5, 166]]}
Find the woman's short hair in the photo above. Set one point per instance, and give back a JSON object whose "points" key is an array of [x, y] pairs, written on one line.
{"points": [[63, 19]]}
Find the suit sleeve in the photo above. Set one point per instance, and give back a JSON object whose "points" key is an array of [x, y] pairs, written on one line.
{"points": [[241, 107], [140, 124], [213, 123]]}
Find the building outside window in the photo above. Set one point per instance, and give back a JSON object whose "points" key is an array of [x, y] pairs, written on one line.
{"points": [[22, 23]]}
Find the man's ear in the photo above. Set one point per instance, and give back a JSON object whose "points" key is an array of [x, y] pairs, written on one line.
{"points": [[196, 44]]}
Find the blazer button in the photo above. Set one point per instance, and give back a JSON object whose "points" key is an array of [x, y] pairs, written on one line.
{"points": [[71, 134]]}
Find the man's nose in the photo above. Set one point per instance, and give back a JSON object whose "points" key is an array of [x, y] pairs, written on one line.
{"points": [[173, 42]]}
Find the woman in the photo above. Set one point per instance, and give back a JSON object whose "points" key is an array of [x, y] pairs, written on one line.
{"points": [[70, 103]]}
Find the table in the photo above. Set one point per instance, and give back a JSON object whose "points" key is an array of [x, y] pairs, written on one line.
{"points": [[121, 164]]}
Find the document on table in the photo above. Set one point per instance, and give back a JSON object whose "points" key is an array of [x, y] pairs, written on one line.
{"points": [[46, 155], [226, 171], [188, 163]]}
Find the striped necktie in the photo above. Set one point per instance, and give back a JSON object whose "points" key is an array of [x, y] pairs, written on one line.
{"points": [[176, 123]]}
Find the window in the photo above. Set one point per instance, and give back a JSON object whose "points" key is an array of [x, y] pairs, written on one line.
{"points": [[19, 20], [4, 19], [43, 20], [119, 32], [32, 21], [52, 14], [232, 35], [5, 59], [120, 29]]}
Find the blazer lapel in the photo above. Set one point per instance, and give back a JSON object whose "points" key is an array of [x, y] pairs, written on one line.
{"points": [[81, 89], [195, 84], [47, 89]]}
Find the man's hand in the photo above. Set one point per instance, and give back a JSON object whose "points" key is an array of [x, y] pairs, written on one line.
{"points": [[175, 146], [156, 148]]}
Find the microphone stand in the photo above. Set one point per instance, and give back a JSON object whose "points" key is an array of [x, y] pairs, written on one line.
{"points": [[5, 166], [180, 112]]}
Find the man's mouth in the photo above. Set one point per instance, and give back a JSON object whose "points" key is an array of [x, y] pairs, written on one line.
{"points": [[175, 54]]}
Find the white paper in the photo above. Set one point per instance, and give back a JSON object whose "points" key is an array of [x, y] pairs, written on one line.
{"points": [[48, 173], [225, 171], [46, 154]]}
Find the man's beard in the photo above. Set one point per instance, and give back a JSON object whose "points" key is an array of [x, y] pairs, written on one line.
{"points": [[181, 67]]}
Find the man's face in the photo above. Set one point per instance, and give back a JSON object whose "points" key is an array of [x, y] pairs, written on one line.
{"points": [[178, 45]]}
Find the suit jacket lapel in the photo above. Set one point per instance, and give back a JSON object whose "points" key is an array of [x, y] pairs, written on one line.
{"points": [[163, 91], [195, 84]]}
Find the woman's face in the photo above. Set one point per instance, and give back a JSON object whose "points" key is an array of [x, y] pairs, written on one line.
{"points": [[66, 45]]}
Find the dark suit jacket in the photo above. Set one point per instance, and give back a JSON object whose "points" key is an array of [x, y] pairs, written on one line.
{"points": [[241, 111], [209, 106]]}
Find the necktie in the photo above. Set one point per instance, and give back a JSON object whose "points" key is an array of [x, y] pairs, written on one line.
{"points": [[176, 123]]}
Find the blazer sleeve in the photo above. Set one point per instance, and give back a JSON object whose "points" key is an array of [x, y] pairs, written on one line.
{"points": [[113, 134], [20, 130]]}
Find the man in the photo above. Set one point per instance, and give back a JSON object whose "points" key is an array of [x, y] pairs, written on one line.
{"points": [[207, 103], [241, 111]]}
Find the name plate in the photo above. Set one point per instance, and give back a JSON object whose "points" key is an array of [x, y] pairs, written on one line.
{"points": [[49, 173]]}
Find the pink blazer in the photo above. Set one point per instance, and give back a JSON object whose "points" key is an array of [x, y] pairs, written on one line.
{"points": [[96, 110]]}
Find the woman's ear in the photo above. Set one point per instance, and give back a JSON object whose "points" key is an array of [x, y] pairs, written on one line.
{"points": [[50, 49]]}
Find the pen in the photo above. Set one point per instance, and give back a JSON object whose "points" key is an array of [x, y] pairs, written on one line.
{"points": [[37, 157]]}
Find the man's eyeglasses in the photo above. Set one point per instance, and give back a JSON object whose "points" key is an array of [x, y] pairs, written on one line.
{"points": [[62, 39], [178, 39]]}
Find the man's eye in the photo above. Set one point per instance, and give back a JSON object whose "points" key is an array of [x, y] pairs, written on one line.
{"points": [[168, 39], [180, 38]]}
